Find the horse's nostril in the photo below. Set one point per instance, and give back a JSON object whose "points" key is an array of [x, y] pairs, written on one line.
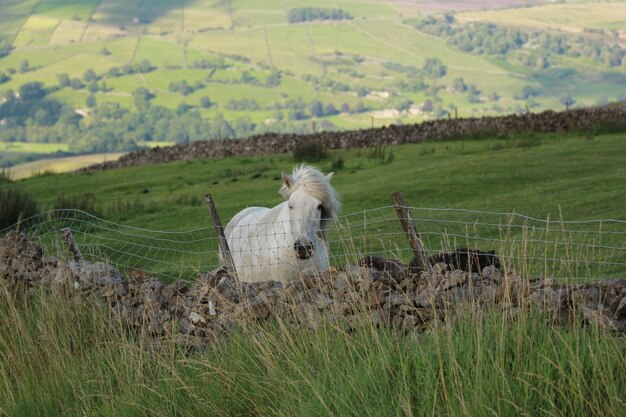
{"points": [[303, 251]]}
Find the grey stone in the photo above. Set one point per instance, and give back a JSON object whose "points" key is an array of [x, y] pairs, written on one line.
{"points": [[455, 278], [492, 273], [196, 319], [597, 316], [409, 322], [322, 301], [96, 274], [342, 282], [310, 315], [272, 143], [227, 288]]}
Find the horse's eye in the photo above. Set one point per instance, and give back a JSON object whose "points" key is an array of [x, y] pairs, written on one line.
{"points": [[320, 207], [290, 207]]}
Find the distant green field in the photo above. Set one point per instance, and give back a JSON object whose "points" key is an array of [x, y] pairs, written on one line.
{"points": [[68, 31], [160, 52], [36, 31], [211, 14], [67, 9], [154, 144], [319, 60], [27, 147], [14, 14], [571, 18], [116, 14], [59, 165]]}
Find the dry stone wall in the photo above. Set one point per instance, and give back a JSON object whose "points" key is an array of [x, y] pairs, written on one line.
{"points": [[214, 305], [272, 143]]}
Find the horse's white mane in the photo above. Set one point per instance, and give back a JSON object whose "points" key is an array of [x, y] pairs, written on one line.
{"points": [[317, 185]]}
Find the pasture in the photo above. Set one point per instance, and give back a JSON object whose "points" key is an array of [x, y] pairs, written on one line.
{"points": [[58, 165], [66, 356], [37, 148], [55, 37], [573, 18], [508, 175]]}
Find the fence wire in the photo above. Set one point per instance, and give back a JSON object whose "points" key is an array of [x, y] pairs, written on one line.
{"points": [[564, 250]]}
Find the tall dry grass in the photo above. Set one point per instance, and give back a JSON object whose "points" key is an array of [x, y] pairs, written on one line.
{"points": [[61, 354]]}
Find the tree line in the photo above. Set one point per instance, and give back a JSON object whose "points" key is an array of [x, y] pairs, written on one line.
{"points": [[32, 115], [538, 46], [309, 14]]}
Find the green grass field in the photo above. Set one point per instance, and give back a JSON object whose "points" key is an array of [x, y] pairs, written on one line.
{"points": [[57, 165], [63, 355], [514, 175], [27, 147], [572, 18], [67, 9], [510, 178]]}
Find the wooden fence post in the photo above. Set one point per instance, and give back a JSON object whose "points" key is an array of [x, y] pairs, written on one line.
{"points": [[69, 239], [226, 256], [402, 209]]}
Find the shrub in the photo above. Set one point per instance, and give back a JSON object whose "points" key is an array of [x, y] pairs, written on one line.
{"points": [[528, 143], [85, 202], [309, 151], [426, 150], [380, 154], [14, 206], [76, 211], [337, 164], [5, 176]]}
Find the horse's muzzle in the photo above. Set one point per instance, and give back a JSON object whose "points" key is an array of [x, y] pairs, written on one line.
{"points": [[303, 250]]}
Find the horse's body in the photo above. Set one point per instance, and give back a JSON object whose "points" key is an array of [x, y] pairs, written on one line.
{"points": [[289, 240]]}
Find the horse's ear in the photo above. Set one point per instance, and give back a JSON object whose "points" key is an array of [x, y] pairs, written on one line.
{"points": [[287, 180], [330, 176]]}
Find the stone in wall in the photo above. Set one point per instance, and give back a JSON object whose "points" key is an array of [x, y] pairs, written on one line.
{"points": [[376, 292]]}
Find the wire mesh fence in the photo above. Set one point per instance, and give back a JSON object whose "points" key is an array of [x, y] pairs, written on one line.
{"points": [[572, 250]]}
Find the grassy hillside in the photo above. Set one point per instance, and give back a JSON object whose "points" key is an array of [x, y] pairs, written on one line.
{"points": [[556, 177], [573, 18], [58, 164], [318, 60], [536, 175]]}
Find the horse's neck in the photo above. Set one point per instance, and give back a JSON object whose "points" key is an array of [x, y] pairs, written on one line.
{"points": [[279, 216]]}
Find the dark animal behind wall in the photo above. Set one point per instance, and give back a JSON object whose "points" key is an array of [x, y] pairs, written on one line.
{"points": [[471, 260]]}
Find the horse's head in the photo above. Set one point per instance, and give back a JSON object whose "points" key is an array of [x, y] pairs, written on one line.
{"points": [[313, 203]]}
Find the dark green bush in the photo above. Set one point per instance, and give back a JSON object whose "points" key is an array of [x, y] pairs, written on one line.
{"points": [[309, 151], [5, 176], [337, 164], [84, 201], [14, 206], [75, 211], [379, 153]]}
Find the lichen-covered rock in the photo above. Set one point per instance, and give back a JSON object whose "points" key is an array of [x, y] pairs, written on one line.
{"points": [[90, 276], [18, 248]]}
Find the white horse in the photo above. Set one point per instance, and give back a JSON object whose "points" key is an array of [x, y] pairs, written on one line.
{"points": [[289, 240]]}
